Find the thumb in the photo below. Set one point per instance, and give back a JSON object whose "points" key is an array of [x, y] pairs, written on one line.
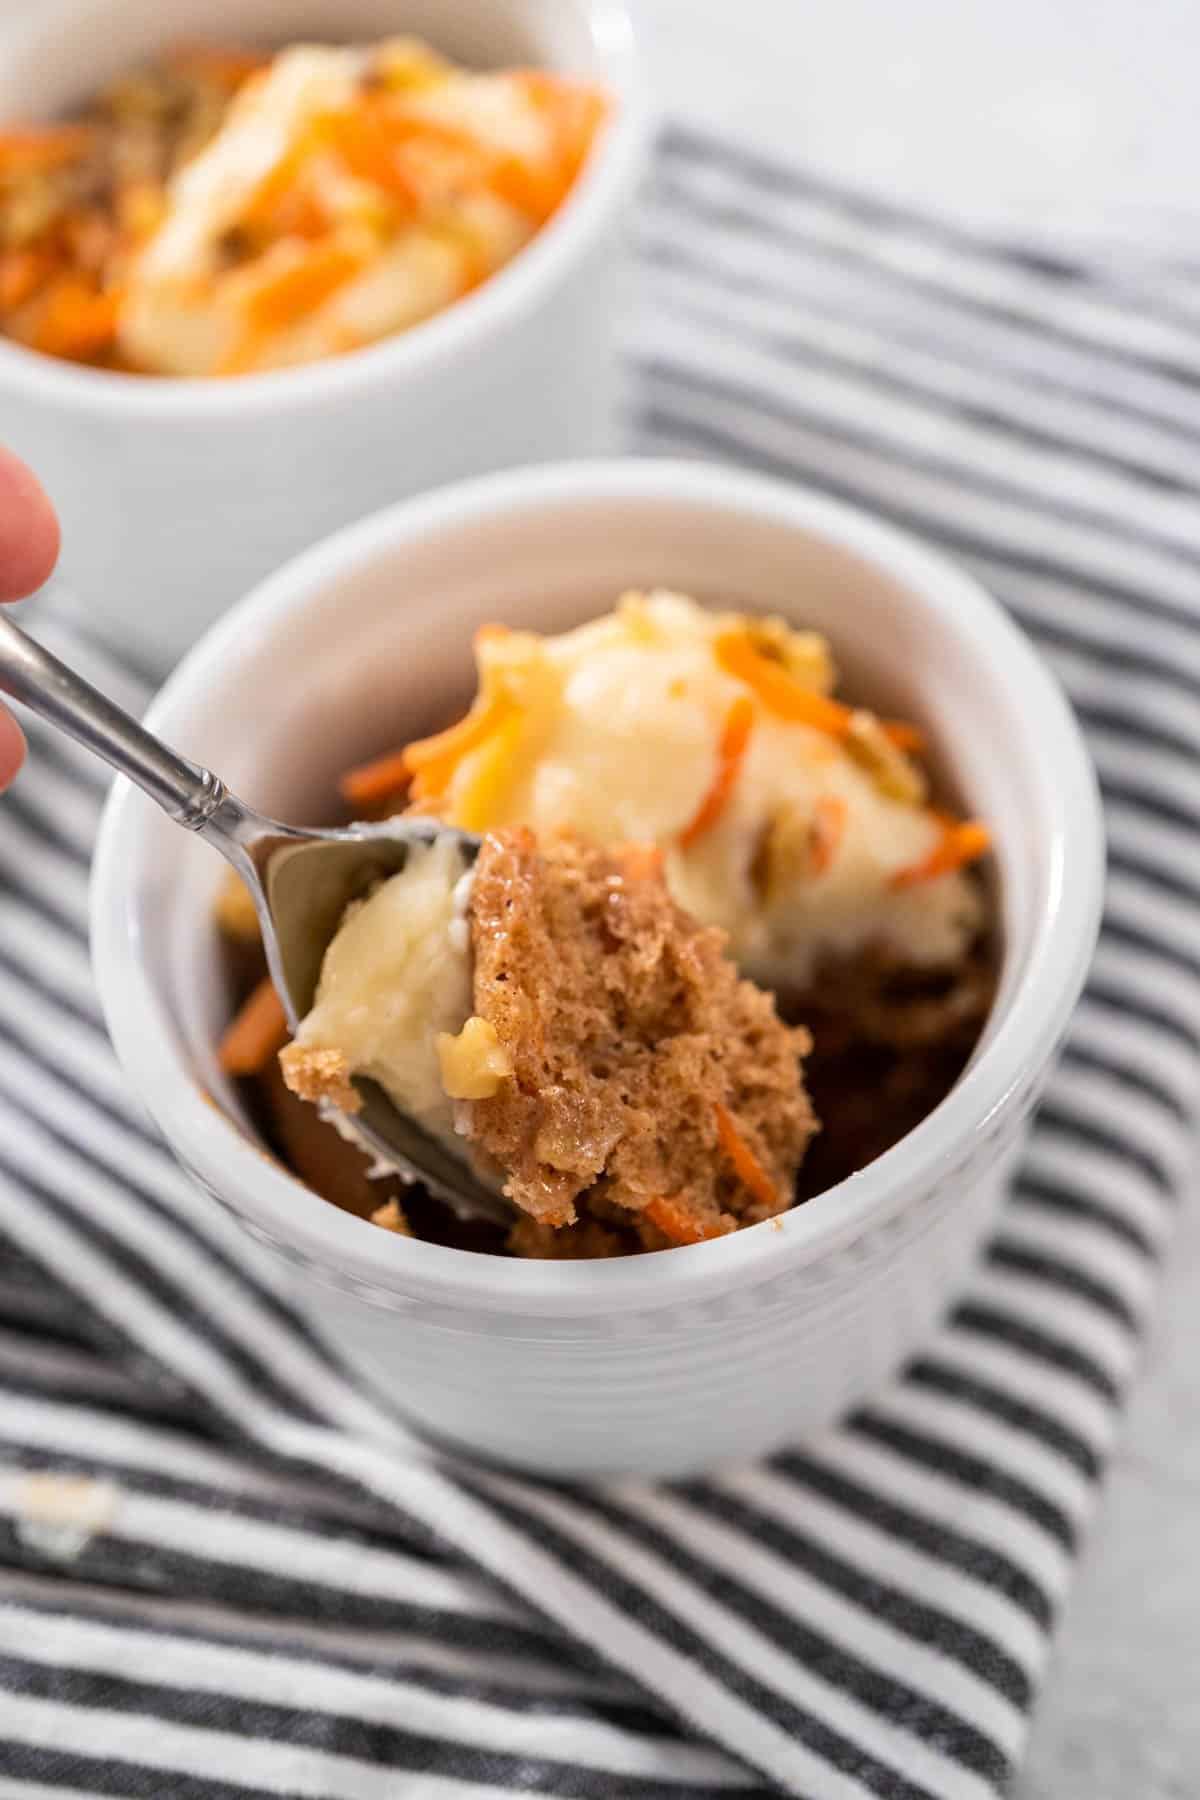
{"points": [[28, 533]]}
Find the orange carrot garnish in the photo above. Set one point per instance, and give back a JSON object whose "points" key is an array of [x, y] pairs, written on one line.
{"points": [[789, 699], [456, 740], [731, 749], [74, 320], [478, 801], [574, 115], [22, 273], [749, 1170], [38, 147], [256, 1033], [279, 183], [286, 296], [641, 862], [245, 351], [960, 843], [906, 737], [375, 780], [779, 692], [666, 1213], [368, 152], [431, 760], [828, 824]]}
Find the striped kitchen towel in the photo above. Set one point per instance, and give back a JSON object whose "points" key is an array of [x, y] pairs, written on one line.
{"points": [[229, 1571]]}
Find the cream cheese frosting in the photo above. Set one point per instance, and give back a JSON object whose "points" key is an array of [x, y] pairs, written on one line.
{"points": [[615, 730]]}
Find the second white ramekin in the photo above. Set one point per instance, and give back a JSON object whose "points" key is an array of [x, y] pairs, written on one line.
{"points": [[176, 495]]}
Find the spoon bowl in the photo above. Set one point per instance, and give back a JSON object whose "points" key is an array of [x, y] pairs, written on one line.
{"points": [[301, 882]]}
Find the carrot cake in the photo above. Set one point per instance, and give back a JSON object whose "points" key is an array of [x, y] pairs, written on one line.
{"points": [[625, 1051], [581, 1034], [224, 211]]}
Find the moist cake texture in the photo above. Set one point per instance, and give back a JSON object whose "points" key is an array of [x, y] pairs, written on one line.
{"points": [[651, 1085], [699, 861]]}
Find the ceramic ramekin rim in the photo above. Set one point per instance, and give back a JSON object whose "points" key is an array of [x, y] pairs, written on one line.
{"points": [[345, 1249], [508, 296]]}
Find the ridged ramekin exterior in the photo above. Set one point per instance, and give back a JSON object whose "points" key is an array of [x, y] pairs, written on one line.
{"points": [[655, 1364]]}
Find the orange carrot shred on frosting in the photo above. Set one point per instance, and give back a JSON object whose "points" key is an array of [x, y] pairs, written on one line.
{"points": [[789, 699], [961, 843], [675, 1223], [641, 862], [828, 824], [38, 147], [749, 1170], [375, 780], [906, 737], [779, 692], [428, 762], [22, 273], [458, 739], [74, 320], [258, 1031], [367, 152], [731, 749], [293, 291], [538, 186]]}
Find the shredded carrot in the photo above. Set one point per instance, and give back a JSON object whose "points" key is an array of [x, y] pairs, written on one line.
{"points": [[257, 1032], [641, 862], [228, 65], [245, 352], [404, 127], [779, 692], [525, 186], [906, 737], [675, 1223], [74, 320], [789, 699], [960, 843], [367, 150], [375, 780], [731, 749], [381, 143], [434, 760], [22, 273], [286, 296], [749, 1170], [476, 806], [457, 739], [280, 181], [428, 762], [39, 147], [574, 115], [828, 824]]}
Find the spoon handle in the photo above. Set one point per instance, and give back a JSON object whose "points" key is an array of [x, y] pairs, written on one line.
{"points": [[29, 673]]}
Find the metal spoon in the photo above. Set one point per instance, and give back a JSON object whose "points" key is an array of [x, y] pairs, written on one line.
{"points": [[301, 882]]}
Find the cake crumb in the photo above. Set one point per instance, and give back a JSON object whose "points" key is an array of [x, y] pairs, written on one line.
{"points": [[390, 1217], [315, 1074]]}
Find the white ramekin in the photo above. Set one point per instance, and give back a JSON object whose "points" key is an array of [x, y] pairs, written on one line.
{"points": [[176, 495], [658, 1363]]}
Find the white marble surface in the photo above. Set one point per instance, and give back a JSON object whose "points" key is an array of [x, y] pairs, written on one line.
{"points": [[1074, 119]]}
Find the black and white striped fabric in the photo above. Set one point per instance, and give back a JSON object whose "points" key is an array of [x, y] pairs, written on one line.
{"points": [[277, 1590]]}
